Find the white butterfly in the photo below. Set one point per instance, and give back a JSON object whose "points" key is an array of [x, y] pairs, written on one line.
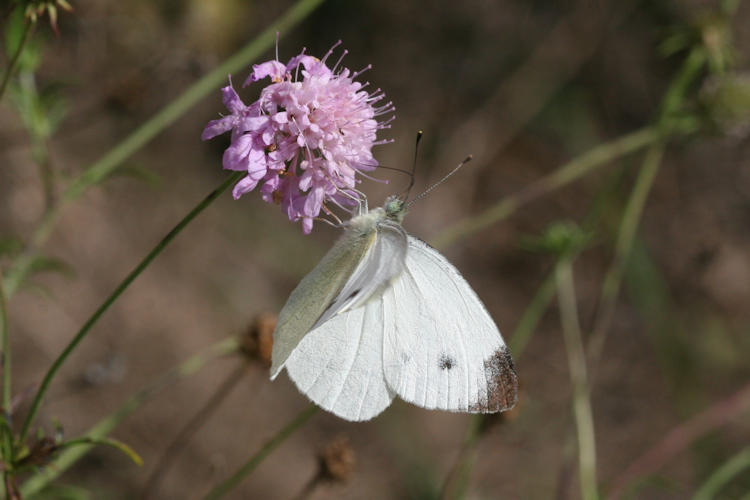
{"points": [[384, 314]]}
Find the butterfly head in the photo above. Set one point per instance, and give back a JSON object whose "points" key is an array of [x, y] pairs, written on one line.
{"points": [[395, 208]]}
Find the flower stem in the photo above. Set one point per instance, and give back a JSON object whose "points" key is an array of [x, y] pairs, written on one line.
{"points": [[69, 457], [103, 167], [577, 366], [16, 55], [115, 294], [574, 169], [228, 484]]}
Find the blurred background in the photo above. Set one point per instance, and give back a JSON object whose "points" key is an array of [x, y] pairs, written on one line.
{"points": [[524, 86]]}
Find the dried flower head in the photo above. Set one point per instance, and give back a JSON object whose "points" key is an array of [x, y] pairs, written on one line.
{"points": [[338, 459], [306, 138], [257, 342]]}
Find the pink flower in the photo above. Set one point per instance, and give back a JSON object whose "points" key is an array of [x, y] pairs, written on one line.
{"points": [[306, 138]]}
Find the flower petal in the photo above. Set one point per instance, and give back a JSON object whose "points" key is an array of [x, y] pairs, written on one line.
{"points": [[231, 100], [274, 69], [217, 127], [245, 185]]}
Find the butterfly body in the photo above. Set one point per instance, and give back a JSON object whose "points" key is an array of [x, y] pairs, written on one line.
{"points": [[383, 315]]}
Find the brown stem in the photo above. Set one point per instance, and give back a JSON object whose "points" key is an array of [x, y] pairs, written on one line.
{"points": [[681, 437], [182, 438]]}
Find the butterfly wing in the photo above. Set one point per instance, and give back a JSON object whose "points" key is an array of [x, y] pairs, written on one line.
{"points": [[309, 300], [441, 348], [339, 365], [360, 264]]}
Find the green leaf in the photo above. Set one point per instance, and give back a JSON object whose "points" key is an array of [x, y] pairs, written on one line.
{"points": [[43, 264], [114, 443]]}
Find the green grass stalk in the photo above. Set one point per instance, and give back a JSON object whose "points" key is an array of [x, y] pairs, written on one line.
{"points": [[52, 371], [576, 168], [737, 464], [577, 365], [101, 430]]}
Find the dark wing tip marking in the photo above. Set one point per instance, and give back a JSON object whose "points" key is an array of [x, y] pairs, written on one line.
{"points": [[446, 362], [502, 383]]}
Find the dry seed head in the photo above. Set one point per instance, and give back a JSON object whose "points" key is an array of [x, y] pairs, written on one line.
{"points": [[257, 342], [338, 460]]}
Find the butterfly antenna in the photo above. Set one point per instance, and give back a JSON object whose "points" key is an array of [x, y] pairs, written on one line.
{"points": [[427, 191], [413, 166]]}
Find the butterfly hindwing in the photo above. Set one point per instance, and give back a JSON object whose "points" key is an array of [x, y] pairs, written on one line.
{"points": [[339, 365], [442, 349]]}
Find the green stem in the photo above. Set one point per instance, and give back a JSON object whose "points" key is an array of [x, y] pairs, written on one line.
{"points": [[105, 165], [14, 60], [721, 476], [457, 481], [577, 366], [574, 169], [6, 430], [531, 316], [69, 457], [115, 294], [671, 104], [623, 247], [6, 360], [228, 484]]}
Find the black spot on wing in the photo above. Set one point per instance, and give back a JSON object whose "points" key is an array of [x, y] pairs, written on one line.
{"points": [[446, 362], [502, 383], [352, 295]]}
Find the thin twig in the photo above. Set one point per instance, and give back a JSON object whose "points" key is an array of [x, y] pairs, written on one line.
{"points": [[680, 438], [230, 483], [180, 441], [231, 179], [577, 365]]}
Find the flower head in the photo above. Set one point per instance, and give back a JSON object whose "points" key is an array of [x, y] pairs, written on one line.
{"points": [[306, 138]]}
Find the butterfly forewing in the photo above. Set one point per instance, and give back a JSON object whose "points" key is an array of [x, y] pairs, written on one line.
{"points": [[442, 349], [316, 292], [361, 264]]}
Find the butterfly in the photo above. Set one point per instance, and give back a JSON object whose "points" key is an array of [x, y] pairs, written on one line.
{"points": [[382, 315]]}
